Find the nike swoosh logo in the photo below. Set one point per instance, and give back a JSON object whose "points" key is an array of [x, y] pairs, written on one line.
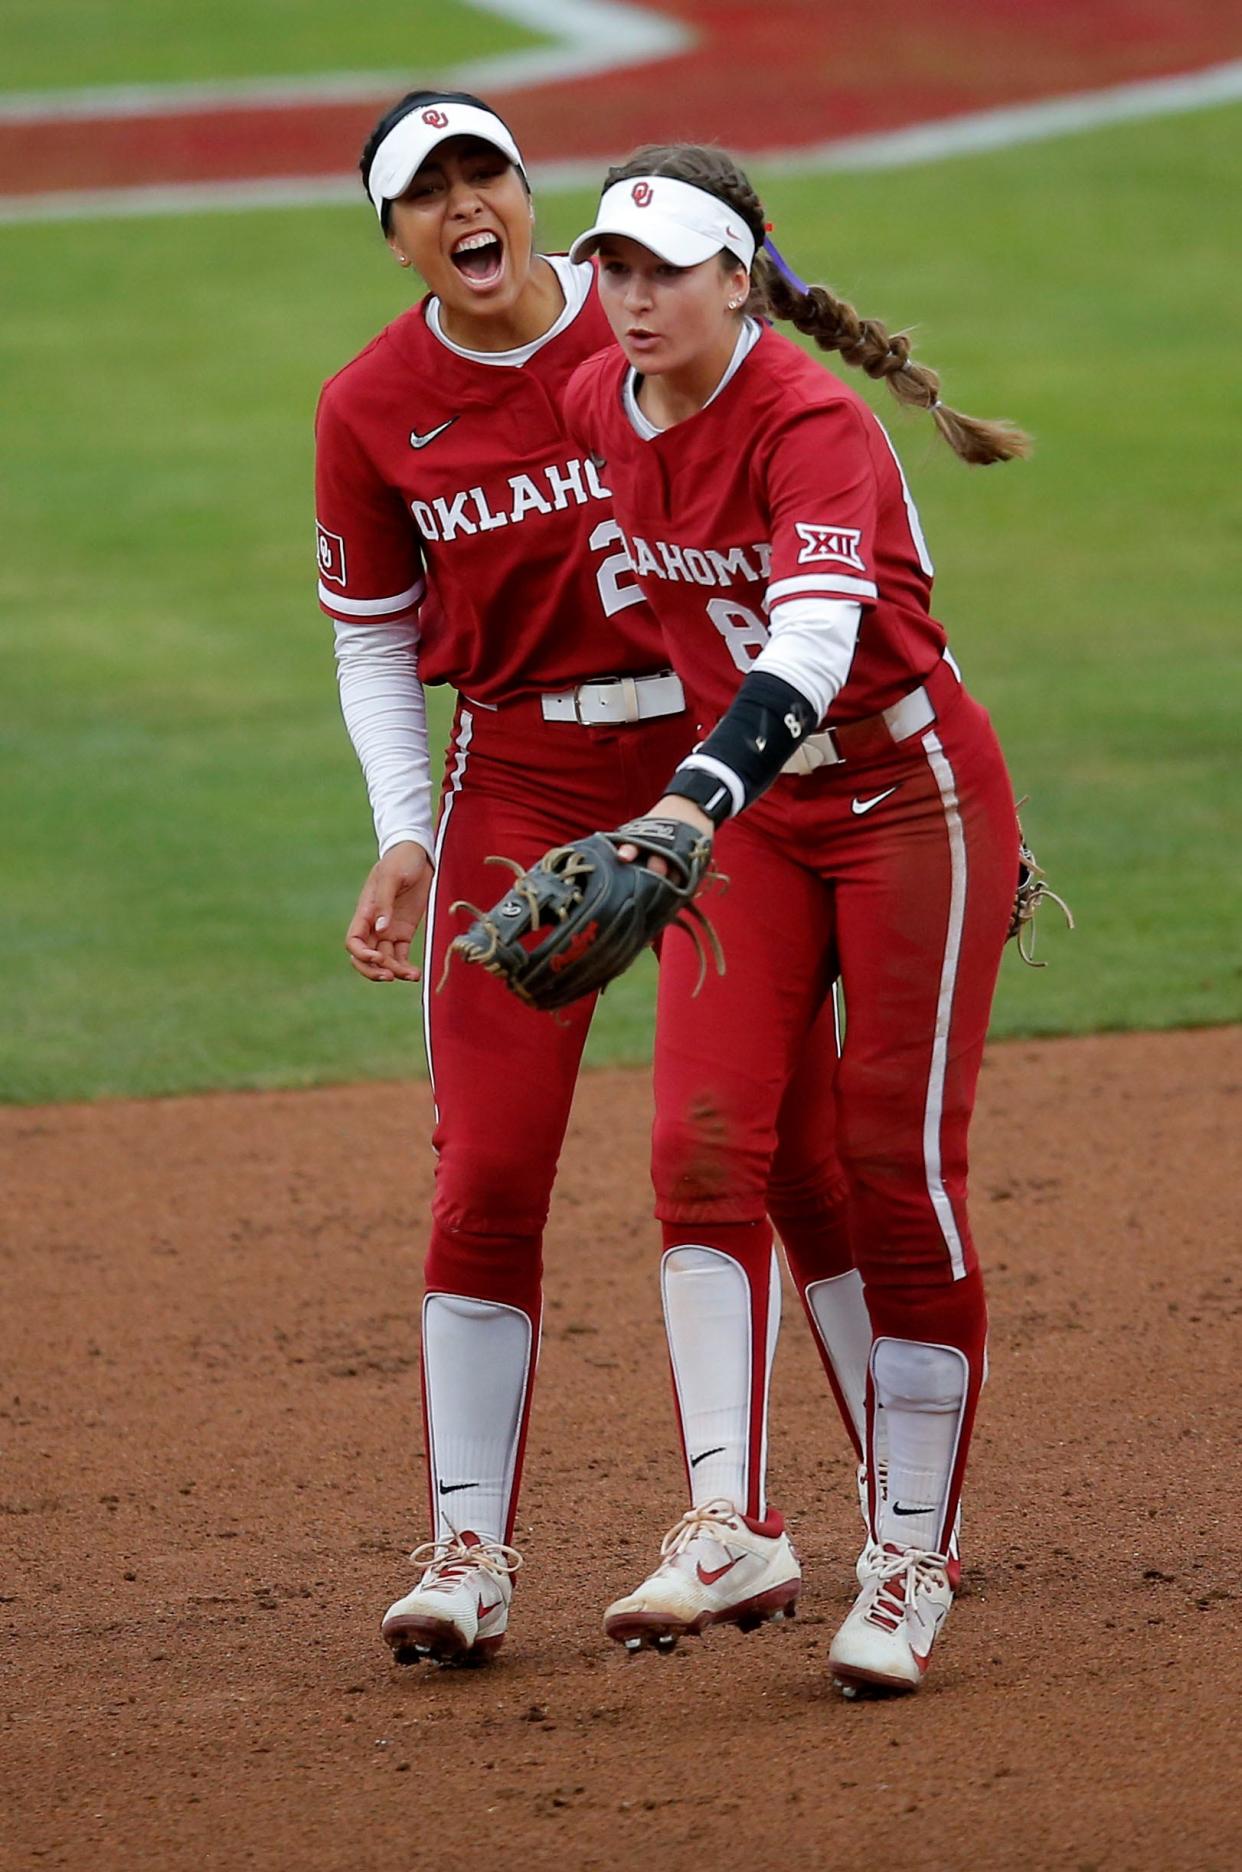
{"points": [[898, 1509], [704, 1454], [485, 1609], [454, 1488], [865, 805], [421, 441], [709, 1578]]}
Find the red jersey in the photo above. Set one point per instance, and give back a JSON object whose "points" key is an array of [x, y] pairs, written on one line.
{"points": [[784, 487], [433, 467]]}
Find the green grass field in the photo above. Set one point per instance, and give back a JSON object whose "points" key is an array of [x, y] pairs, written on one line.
{"points": [[185, 830], [81, 42]]}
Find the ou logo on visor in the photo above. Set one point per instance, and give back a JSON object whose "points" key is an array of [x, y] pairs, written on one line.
{"points": [[642, 193], [436, 118]]}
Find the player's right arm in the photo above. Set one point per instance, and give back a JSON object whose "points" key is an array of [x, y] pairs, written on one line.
{"points": [[371, 584]]}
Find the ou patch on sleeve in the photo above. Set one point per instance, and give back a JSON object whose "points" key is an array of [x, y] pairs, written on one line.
{"points": [[331, 554]]}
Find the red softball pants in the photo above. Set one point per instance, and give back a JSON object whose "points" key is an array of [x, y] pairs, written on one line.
{"points": [[899, 869]]}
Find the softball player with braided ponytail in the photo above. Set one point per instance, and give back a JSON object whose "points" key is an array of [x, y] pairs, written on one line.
{"points": [[464, 539], [863, 814]]}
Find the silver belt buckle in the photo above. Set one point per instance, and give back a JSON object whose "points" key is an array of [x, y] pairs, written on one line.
{"points": [[818, 750], [580, 694], [623, 688]]}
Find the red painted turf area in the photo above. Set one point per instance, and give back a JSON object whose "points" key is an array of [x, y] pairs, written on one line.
{"points": [[761, 77]]}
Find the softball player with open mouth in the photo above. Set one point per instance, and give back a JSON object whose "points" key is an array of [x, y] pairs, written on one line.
{"points": [[864, 817], [464, 539]]}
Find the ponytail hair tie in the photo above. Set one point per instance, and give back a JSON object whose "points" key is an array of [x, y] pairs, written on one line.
{"points": [[784, 269], [934, 404]]}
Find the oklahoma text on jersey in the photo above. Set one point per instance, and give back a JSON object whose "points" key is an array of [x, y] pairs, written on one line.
{"points": [[471, 510], [702, 565]]}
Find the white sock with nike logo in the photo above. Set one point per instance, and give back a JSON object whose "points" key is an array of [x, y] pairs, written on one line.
{"points": [[477, 1370], [923, 1391], [709, 1318]]}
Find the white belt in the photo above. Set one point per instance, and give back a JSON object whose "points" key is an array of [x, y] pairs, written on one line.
{"points": [[914, 712], [615, 700]]}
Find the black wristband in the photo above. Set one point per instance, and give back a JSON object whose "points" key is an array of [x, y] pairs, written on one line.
{"points": [[706, 790], [767, 719]]}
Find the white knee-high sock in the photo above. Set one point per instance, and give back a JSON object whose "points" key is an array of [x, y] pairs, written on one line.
{"points": [[922, 1389], [722, 1366], [842, 1325], [478, 1364]]}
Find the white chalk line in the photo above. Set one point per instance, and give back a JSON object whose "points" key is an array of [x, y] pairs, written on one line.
{"points": [[972, 134], [589, 37]]}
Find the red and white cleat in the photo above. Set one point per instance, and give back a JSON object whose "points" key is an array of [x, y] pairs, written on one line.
{"points": [[717, 1567], [885, 1643], [458, 1612]]}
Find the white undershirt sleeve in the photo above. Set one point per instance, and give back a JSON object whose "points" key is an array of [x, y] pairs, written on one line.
{"points": [[811, 646], [385, 712]]}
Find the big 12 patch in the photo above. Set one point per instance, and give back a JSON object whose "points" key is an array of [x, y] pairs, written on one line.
{"points": [[829, 542]]}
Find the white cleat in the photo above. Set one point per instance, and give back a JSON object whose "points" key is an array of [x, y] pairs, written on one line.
{"points": [[458, 1612], [885, 1643], [717, 1567]]}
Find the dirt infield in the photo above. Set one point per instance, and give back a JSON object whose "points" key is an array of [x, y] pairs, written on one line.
{"points": [[210, 1442]]}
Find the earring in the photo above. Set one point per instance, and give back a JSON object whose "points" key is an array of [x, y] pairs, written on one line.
{"points": [[734, 304]]}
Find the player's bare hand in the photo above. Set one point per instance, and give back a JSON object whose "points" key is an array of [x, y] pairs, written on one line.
{"points": [[672, 806], [391, 907]]}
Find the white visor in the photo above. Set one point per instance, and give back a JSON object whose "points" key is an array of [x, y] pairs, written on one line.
{"points": [[682, 224], [409, 143]]}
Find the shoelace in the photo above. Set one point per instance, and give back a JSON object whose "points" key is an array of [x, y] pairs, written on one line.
{"points": [[707, 1519], [913, 1566], [441, 1557]]}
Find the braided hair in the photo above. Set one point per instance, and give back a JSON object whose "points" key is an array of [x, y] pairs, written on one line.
{"points": [[864, 343]]}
